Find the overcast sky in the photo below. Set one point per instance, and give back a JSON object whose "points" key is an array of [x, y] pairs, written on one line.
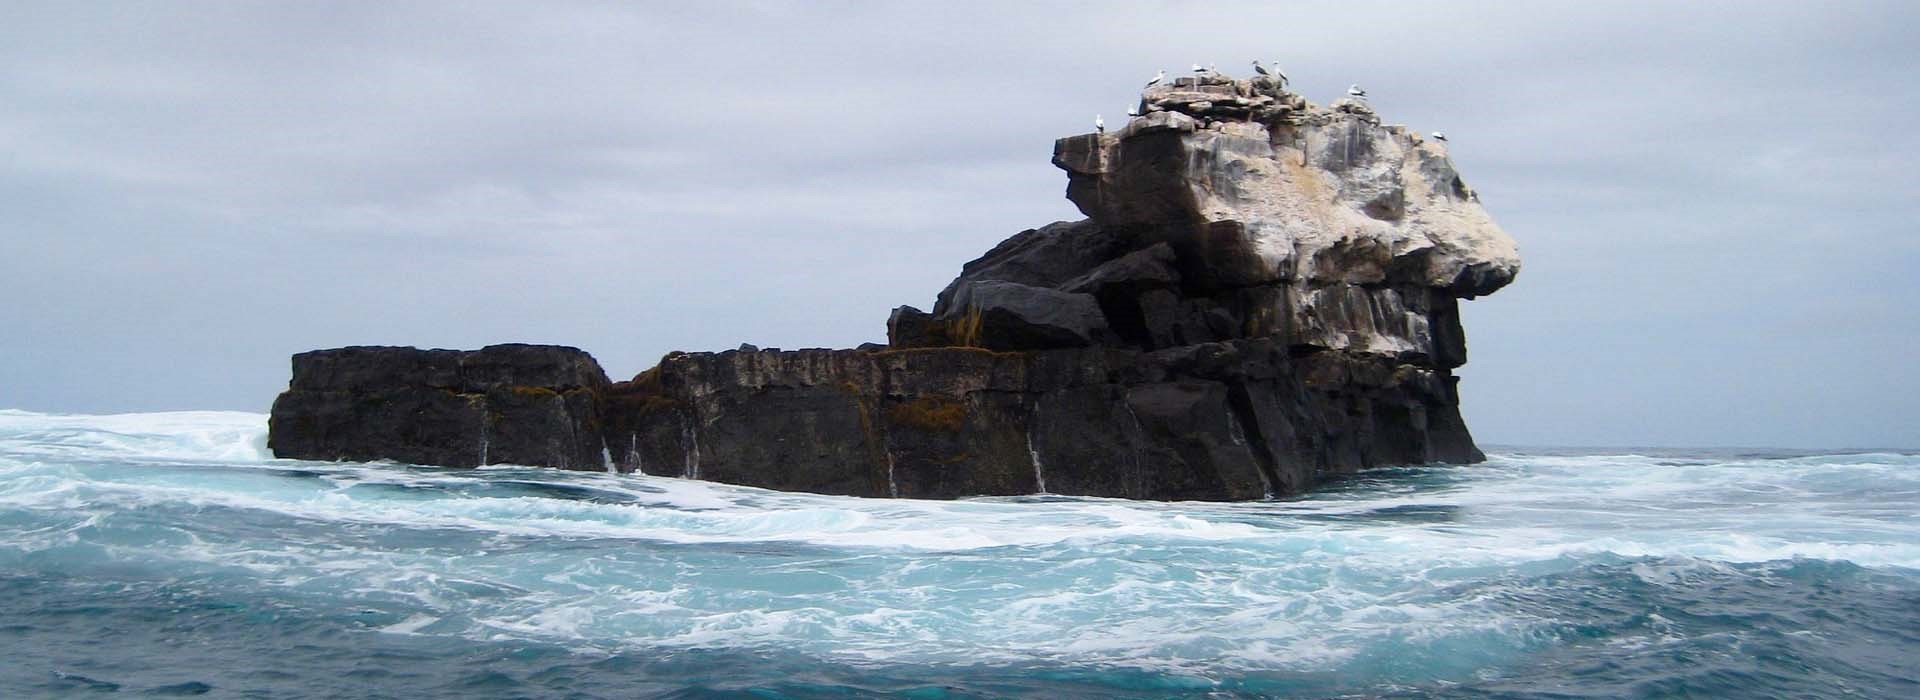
{"points": [[1716, 204]]}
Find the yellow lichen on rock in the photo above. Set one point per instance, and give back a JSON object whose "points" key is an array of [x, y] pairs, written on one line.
{"points": [[930, 413]]}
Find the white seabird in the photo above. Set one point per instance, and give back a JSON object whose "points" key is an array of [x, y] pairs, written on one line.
{"points": [[1355, 91], [1262, 70], [1437, 136], [1198, 69], [1132, 111], [1162, 75], [1282, 75], [1099, 125]]}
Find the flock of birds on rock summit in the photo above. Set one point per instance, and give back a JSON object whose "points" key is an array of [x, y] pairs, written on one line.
{"points": [[1279, 76]]}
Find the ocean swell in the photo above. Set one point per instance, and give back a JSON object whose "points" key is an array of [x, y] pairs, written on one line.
{"points": [[1682, 571]]}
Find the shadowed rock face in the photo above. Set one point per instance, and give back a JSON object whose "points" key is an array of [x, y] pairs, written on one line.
{"points": [[1214, 421], [503, 404], [1265, 293]]}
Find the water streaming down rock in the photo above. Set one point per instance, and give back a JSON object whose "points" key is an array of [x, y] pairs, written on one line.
{"points": [[1239, 437], [1264, 294], [1039, 473], [691, 466], [893, 483]]}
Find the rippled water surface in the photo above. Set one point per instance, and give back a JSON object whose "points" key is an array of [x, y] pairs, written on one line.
{"points": [[166, 554]]}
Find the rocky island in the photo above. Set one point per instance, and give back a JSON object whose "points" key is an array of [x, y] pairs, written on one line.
{"points": [[1264, 294]]}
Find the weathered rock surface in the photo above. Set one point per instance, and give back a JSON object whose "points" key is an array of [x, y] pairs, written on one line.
{"points": [[1220, 421], [502, 404], [1264, 293]]}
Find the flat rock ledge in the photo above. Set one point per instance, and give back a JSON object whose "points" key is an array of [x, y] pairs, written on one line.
{"points": [[503, 404]]}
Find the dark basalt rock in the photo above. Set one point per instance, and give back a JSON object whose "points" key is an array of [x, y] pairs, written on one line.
{"points": [[502, 404], [1044, 257], [908, 327], [1219, 421], [1014, 316], [1264, 293]]}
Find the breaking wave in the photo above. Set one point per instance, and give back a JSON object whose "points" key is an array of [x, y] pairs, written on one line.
{"points": [[169, 552]]}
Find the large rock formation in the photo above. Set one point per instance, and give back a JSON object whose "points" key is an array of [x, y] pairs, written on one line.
{"points": [[1264, 293]]}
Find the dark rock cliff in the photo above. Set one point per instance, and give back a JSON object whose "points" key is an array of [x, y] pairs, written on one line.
{"points": [[503, 404], [1265, 293], [1226, 420]]}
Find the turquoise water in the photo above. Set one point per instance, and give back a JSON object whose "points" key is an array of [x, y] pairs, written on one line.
{"points": [[167, 554]]}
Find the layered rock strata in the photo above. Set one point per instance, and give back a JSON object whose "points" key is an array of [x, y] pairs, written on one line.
{"points": [[1264, 293]]}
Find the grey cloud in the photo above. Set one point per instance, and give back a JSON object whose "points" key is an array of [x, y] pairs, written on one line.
{"points": [[1715, 201]]}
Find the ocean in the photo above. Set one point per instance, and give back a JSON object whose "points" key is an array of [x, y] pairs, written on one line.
{"points": [[169, 554]]}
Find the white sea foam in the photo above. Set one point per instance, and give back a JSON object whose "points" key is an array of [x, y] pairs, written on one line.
{"points": [[1421, 564], [217, 436]]}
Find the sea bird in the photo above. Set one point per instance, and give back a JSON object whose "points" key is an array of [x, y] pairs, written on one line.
{"points": [[1162, 75], [1437, 136], [1198, 69], [1355, 91], [1099, 124], [1257, 68], [1282, 75], [1133, 111]]}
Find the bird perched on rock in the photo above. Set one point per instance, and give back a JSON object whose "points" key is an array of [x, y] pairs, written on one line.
{"points": [[1437, 136], [1099, 124], [1197, 69], [1355, 91], [1277, 73], [1133, 111], [1157, 78], [1260, 69]]}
